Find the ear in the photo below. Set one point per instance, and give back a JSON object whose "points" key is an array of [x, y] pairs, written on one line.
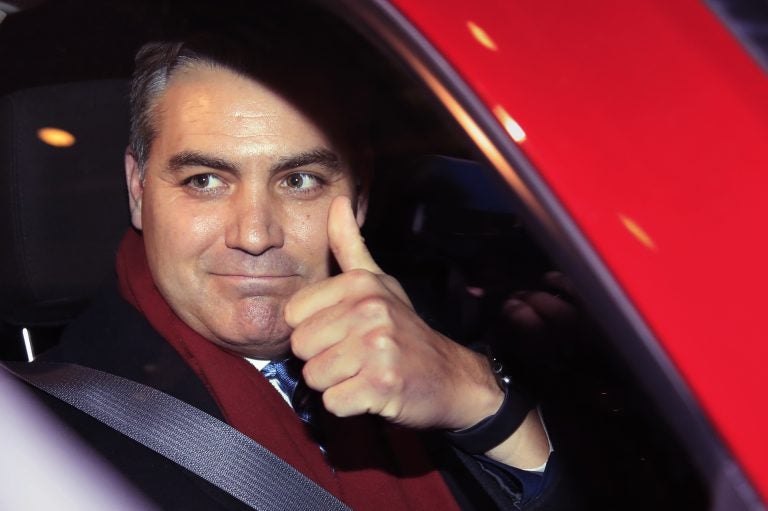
{"points": [[135, 187]]}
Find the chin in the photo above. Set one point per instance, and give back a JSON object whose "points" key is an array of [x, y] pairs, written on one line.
{"points": [[255, 328], [258, 339], [263, 347]]}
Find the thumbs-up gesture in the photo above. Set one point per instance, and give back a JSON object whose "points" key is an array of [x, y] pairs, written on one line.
{"points": [[367, 350]]}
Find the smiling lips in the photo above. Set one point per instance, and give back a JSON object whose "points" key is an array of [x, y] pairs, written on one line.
{"points": [[261, 285], [254, 277], [270, 274]]}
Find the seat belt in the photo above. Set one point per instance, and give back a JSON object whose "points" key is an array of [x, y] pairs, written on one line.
{"points": [[182, 433]]}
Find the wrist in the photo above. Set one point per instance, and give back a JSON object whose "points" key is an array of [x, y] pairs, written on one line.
{"points": [[486, 398], [501, 418]]}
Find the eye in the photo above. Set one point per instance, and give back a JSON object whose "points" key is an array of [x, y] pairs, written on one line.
{"points": [[203, 182], [302, 182]]}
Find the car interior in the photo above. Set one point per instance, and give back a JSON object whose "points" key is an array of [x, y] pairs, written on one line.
{"points": [[441, 220]]}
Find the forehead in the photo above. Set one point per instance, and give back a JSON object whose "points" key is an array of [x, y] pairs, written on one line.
{"points": [[207, 107]]}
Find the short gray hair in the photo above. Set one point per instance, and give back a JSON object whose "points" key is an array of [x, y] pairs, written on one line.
{"points": [[155, 64], [297, 70]]}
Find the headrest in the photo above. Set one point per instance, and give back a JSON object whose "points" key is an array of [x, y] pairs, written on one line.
{"points": [[63, 207]]}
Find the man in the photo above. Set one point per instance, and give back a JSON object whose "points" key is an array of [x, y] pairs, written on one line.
{"points": [[247, 251]]}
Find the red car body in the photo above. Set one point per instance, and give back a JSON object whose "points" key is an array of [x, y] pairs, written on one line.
{"points": [[636, 133]]}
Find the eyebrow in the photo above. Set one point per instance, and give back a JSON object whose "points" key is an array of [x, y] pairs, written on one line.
{"points": [[319, 156], [197, 159]]}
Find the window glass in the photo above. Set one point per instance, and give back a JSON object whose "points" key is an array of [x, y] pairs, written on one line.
{"points": [[440, 220]]}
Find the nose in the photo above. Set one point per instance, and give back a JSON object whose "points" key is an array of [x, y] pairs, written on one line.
{"points": [[254, 224]]}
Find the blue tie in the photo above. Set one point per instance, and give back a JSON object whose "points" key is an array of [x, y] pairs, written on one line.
{"points": [[287, 373]]}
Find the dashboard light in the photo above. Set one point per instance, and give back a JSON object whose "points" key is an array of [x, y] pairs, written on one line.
{"points": [[637, 231], [56, 137], [513, 128], [481, 36]]}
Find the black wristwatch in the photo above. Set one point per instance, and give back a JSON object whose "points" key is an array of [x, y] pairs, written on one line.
{"points": [[493, 430]]}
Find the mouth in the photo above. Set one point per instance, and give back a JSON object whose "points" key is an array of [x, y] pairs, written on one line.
{"points": [[259, 284], [247, 276]]}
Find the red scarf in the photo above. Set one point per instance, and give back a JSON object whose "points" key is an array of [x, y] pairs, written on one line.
{"points": [[376, 466]]}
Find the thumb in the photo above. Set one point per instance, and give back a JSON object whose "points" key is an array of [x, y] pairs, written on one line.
{"points": [[347, 245]]}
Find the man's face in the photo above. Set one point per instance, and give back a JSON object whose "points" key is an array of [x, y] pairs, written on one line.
{"points": [[234, 206]]}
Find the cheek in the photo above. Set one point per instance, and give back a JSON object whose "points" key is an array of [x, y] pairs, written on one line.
{"points": [[310, 234], [309, 227], [205, 226], [177, 231]]}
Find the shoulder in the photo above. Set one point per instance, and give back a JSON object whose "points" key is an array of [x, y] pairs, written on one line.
{"points": [[112, 336]]}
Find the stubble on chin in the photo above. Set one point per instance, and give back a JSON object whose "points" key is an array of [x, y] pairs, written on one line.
{"points": [[261, 330]]}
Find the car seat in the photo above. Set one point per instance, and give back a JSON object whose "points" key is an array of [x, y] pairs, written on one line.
{"points": [[63, 206]]}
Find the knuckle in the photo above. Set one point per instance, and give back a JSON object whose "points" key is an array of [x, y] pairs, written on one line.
{"points": [[386, 381], [379, 340], [373, 308]]}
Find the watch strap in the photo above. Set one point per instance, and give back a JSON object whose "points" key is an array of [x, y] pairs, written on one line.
{"points": [[493, 430]]}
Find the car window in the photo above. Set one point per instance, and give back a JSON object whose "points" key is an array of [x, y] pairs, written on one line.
{"points": [[441, 220]]}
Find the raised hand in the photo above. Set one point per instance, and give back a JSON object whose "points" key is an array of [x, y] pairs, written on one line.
{"points": [[367, 351]]}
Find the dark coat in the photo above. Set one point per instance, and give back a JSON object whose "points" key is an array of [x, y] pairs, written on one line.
{"points": [[113, 337]]}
